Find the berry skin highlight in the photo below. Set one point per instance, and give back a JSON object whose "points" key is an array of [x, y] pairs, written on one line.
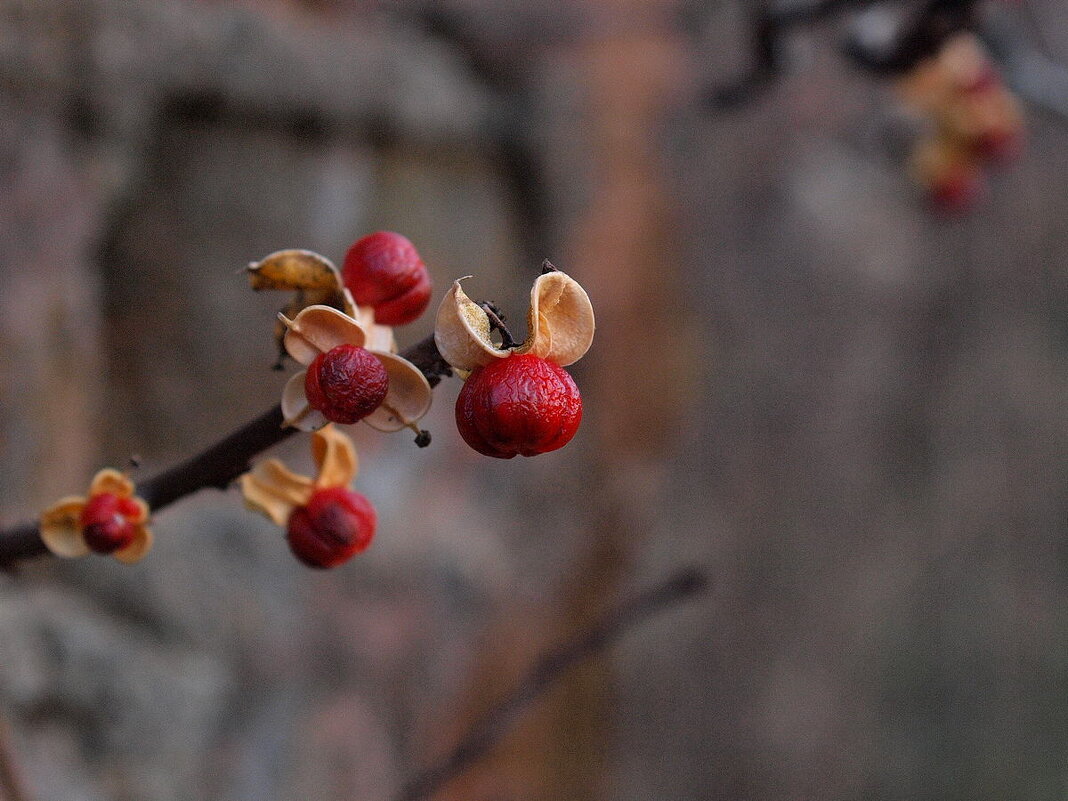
{"points": [[106, 522]]}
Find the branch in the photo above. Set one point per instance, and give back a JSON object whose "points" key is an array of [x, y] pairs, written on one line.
{"points": [[931, 23], [488, 730], [214, 467], [12, 787]]}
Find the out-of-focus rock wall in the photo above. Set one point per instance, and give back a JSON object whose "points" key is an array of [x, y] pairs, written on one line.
{"points": [[150, 151], [847, 412]]}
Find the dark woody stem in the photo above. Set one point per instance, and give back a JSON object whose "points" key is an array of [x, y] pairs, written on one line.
{"points": [[218, 465], [496, 320]]}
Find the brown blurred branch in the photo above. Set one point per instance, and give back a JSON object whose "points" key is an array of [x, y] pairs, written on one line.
{"points": [[488, 730], [929, 25], [214, 467], [12, 787]]}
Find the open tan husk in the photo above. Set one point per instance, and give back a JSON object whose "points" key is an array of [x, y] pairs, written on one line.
{"points": [[462, 331]]}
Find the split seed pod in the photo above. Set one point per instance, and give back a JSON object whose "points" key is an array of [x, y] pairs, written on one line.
{"points": [[319, 329], [62, 530], [273, 490], [560, 322]]}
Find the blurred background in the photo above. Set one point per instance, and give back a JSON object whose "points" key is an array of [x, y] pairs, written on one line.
{"points": [[847, 410]]}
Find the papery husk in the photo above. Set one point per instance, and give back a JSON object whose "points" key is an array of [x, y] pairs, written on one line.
{"points": [[319, 329], [335, 456], [379, 337], [296, 410], [275, 491], [138, 549], [462, 331], [60, 528], [111, 481], [560, 320], [408, 398]]}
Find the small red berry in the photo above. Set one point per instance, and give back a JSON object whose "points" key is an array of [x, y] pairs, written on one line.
{"points": [[346, 384], [957, 192], [336, 525], [1000, 145], [383, 270], [106, 522], [520, 405]]}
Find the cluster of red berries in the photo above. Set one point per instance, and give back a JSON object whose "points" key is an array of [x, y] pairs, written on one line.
{"points": [[383, 272], [516, 404], [516, 400], [973, 121]]}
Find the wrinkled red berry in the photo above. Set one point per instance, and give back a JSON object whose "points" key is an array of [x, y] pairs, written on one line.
{"points": [[346, 384], [106, 522], [521, 405], [384, 271], [336, 525]]}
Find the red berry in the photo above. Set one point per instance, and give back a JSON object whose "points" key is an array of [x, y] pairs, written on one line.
{"points": [[957, 192], [106, 522], [518, 405], [1000, 145], [346, 384], [336, 525], [383, 270]]}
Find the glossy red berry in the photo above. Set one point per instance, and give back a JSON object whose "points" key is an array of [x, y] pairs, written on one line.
{"points": [[384, 271], [336, 525], [106, 522], [346, 384], [521, 405]]}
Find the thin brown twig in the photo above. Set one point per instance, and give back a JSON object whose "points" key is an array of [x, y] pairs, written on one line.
{"points": [[488, 730], [496, 321], [216, 467], [12, 786]]}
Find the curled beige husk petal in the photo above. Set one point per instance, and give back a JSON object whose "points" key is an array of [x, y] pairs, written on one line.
{"points": [[409, 396], [560, 320], [938, 157], [60, 528], [111, 481], [138, 549], [296, 411], [462, 332], [294, 269], [379, 337], [275, 491], [335, 456], [319, 329]]}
